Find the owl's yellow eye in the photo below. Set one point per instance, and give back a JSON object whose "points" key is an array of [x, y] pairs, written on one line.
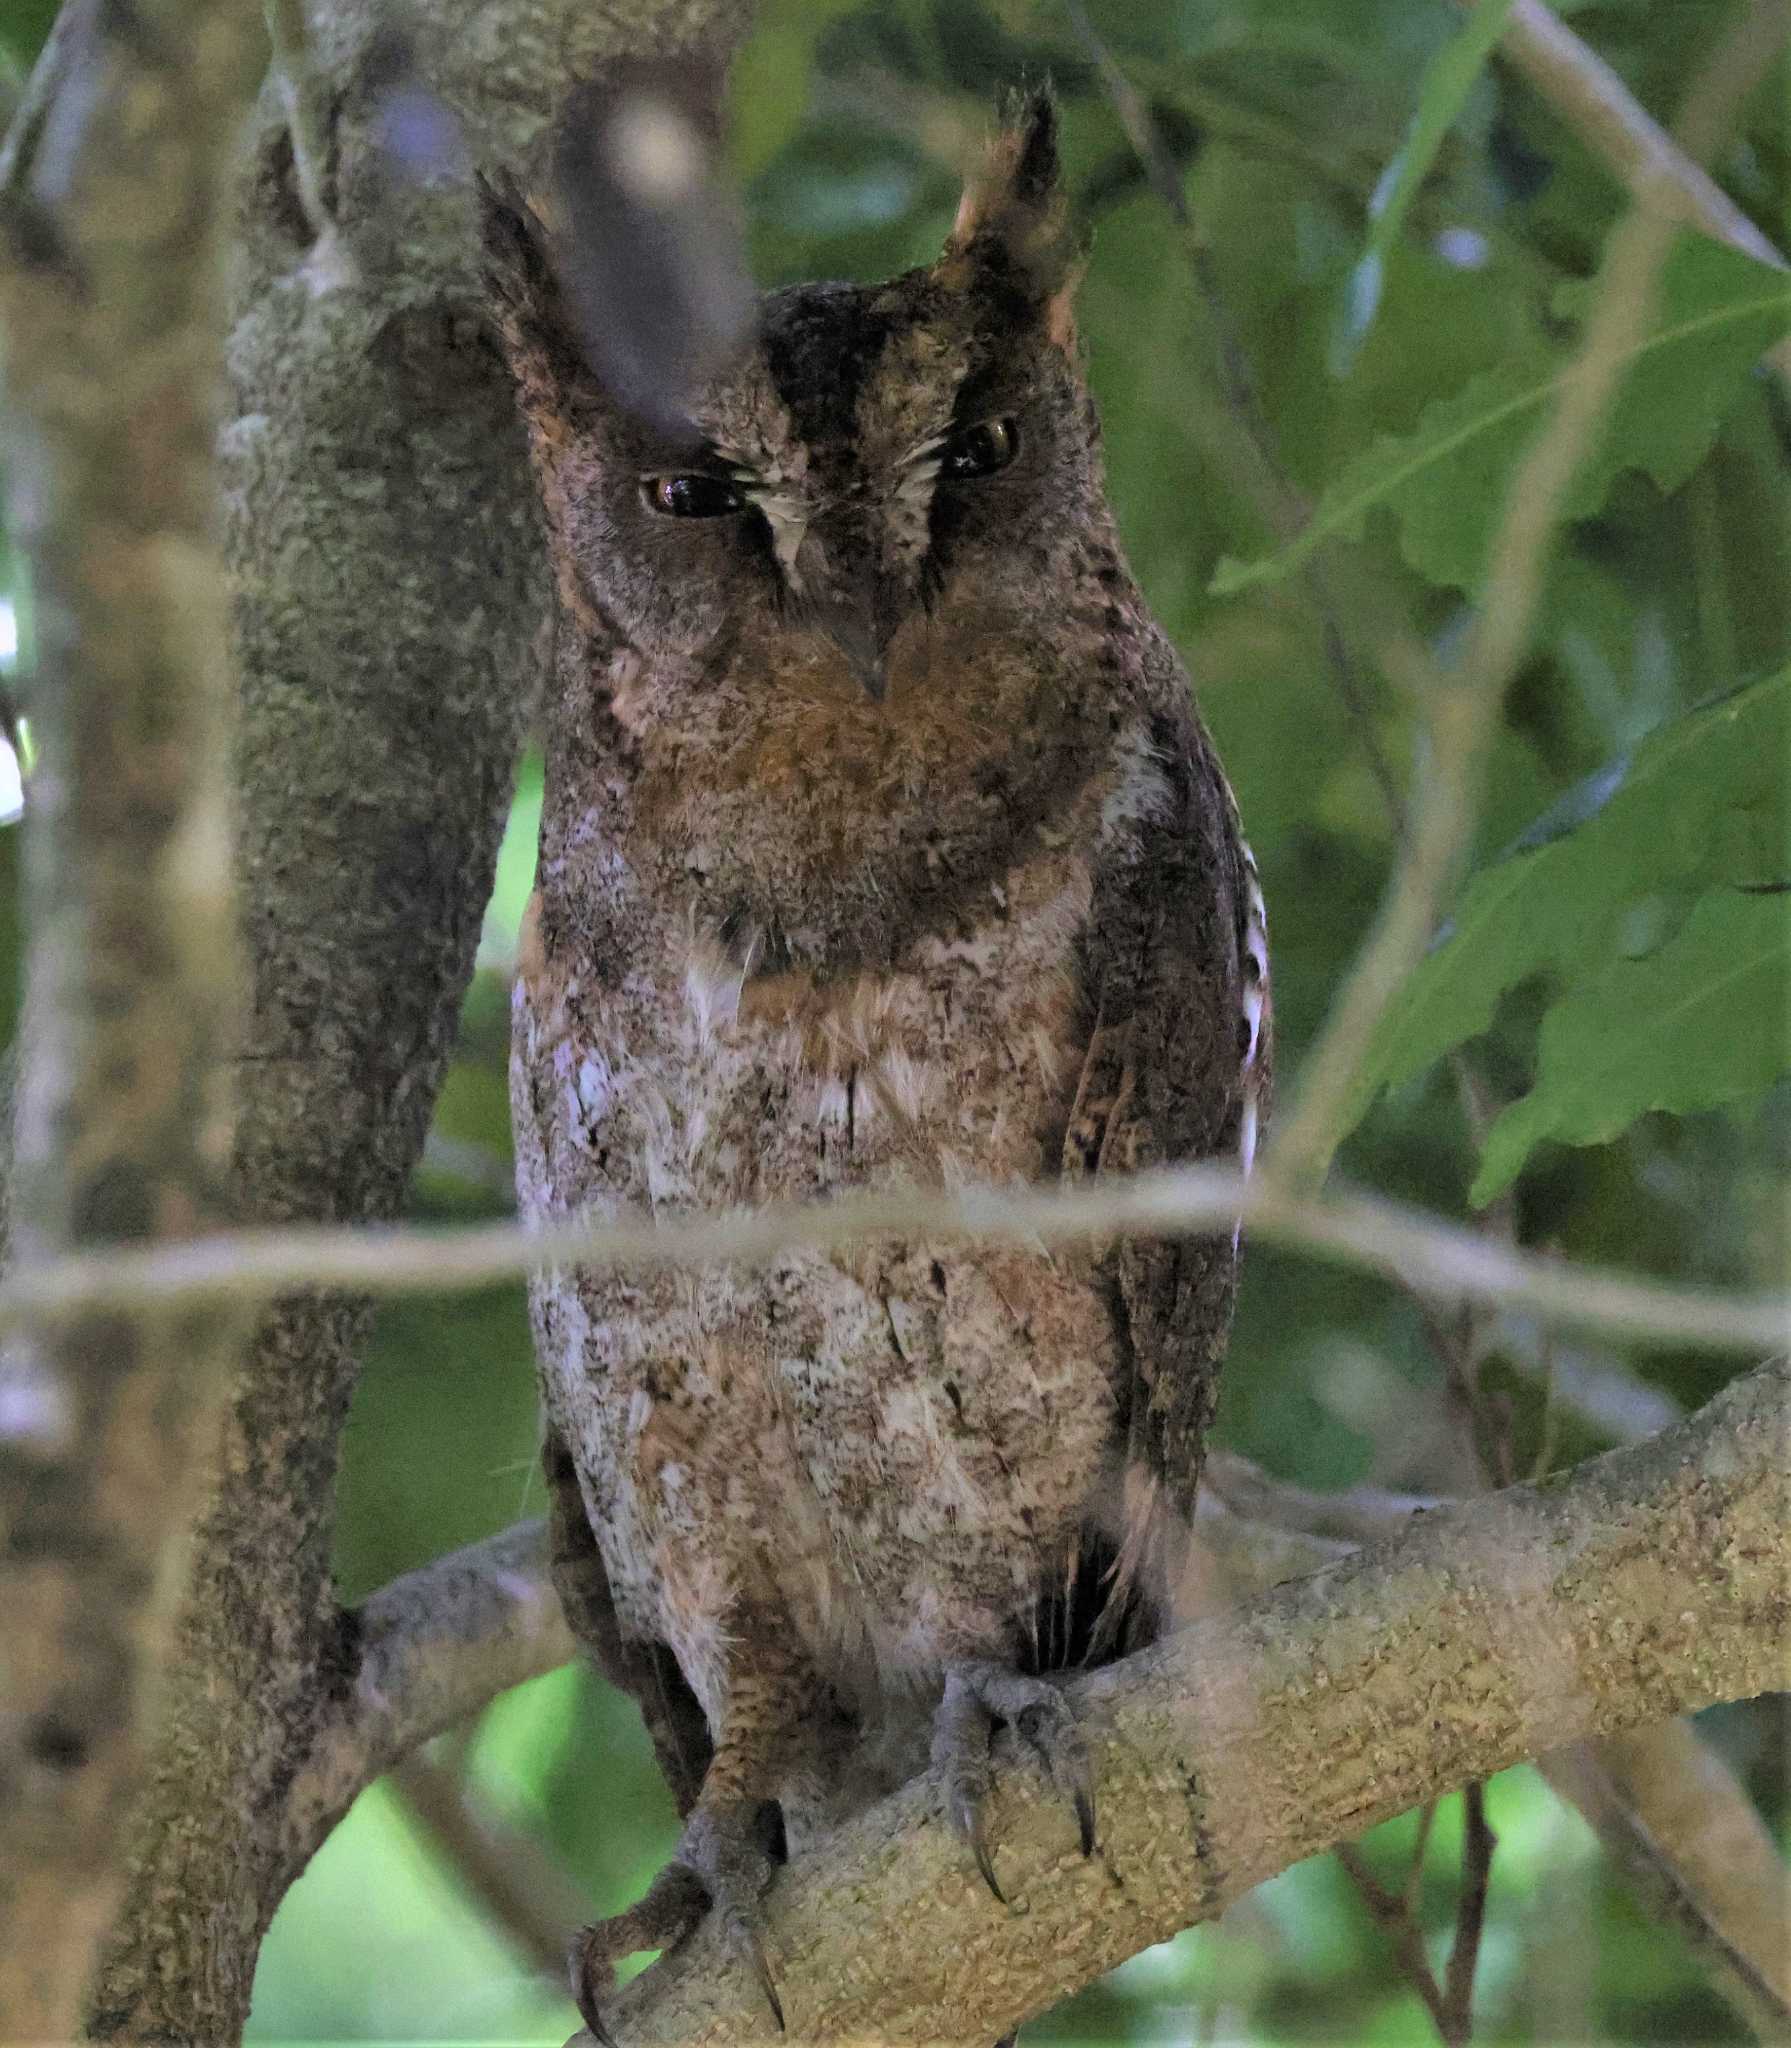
{"points": [[980, 450], [692, 496]]}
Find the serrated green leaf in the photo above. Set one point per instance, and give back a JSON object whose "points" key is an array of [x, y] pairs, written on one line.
{"points": [[1695, 807], [1444, 483], [1701, 1022]]}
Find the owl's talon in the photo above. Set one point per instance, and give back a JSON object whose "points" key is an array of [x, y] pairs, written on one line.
{"points": [[725, 1847], [761, 1969], [978, 1693], [970, 1824], [721, 1864], [1048, 1728]]}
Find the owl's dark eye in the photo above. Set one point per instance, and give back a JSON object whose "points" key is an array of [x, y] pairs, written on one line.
{"points": [[692, 496], [980, 450]]}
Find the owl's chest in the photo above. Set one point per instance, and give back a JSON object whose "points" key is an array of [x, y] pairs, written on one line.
{"points": [[879, 1440], [701, 1082]]}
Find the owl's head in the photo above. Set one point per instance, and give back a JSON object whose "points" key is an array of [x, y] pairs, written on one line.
{"points": [[869, 459]]}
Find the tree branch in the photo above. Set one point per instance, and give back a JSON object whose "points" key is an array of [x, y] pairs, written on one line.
{"points": [[109, 200], [1651, 1582], [1667, 1807], [1358, 1230], [392, 595], [433, 1648], [441, 1641]]}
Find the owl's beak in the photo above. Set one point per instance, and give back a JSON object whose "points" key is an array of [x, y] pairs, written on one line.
{"points": [[854, 628]]}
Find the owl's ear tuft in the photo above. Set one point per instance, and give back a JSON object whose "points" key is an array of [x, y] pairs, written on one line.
{"points": [[535, 326], [1013, 225]]}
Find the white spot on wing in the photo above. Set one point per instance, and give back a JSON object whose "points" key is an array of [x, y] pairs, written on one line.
{"points": [[1256, 999]]}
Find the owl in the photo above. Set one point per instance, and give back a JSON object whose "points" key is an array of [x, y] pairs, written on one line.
{"points": [[882, 847]]}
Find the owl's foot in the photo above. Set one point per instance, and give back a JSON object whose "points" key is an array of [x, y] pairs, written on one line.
{"points": [[978, 1693], [723, 1865]]}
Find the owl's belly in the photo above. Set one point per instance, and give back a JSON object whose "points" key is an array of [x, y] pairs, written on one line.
{"points": [[888, 1451], [889, 1457]]}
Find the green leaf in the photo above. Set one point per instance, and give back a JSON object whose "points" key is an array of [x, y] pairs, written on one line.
{"points": [[1442, 92], [1700, 1022], [1444, 483], [1699, 805]]}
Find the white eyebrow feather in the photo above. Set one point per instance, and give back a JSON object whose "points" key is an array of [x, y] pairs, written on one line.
{"points": [[787, 517]]}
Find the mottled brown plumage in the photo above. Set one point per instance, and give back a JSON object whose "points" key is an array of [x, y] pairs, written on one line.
{"points": [[882, 845]]}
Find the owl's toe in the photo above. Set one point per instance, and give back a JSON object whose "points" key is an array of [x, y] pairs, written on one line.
{"points": [[726, 1847], [722, 1865], [979, 1693], [672, 1906]]}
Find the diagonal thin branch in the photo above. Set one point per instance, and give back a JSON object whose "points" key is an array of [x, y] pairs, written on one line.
{"points": [[1594, 101]]}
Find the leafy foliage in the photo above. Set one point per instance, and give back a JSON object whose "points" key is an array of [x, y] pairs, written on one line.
{"points": [[1443, 483], [1694, 1024], [1700, 809]]}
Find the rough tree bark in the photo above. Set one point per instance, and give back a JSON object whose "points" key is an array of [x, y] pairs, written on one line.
{"points": [[389, 608], [108, 292], [1648, 1583]]}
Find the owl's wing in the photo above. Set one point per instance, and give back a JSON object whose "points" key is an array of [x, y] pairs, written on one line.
{"points": [[647, 1672], [1175, 966]]}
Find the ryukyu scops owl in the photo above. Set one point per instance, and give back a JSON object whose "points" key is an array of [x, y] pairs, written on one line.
{"points": [[882, 847]]}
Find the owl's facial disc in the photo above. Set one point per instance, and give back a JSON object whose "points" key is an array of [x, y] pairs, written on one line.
{"points": [[856, 568]]}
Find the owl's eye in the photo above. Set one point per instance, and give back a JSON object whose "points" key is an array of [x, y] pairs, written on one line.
{"points": [[980, 450], [693, 496]]}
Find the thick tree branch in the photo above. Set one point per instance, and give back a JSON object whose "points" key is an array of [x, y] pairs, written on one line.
{"points": [[109, 294], [1651, 1582], [434, 1647], [391, 604], [1668, 1809]]}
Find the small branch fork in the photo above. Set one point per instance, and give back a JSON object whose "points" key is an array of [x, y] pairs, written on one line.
{"points": [[1450, 2003]]}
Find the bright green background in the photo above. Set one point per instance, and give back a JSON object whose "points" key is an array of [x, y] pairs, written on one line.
{"points": [[1618, 973]]}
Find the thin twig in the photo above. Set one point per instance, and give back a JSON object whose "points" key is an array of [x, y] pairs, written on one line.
{"points": [[1414, 1873], [1464, 709], [1478, 1844], [1605, 114], [1393, 1915], [1408, 1247], [525, 1891]]}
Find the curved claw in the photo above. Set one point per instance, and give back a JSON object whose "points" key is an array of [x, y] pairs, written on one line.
{"points": [[968, 1815], [671, 1908], [761, 1969], [1083, 1798], [578, 1978], [1050, 1732]]}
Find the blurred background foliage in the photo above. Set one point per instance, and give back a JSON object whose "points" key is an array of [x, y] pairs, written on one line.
{"points": [[1617, 968]]}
